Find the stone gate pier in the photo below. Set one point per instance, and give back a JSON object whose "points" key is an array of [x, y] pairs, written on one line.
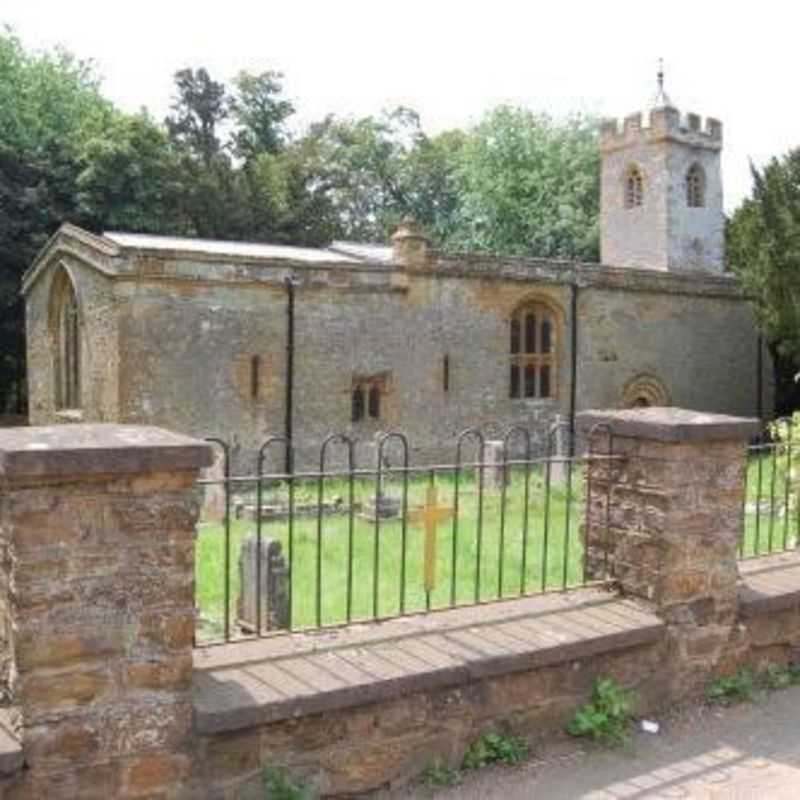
{"points": [[97, 528]]}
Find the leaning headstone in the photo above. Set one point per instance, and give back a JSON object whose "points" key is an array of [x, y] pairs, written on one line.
{"points": [[274, 592], [494, 467]]}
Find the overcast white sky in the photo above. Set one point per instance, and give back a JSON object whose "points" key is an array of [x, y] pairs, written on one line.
{"points": [[451, 60]]}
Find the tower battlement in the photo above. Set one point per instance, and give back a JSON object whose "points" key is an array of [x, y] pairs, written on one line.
{"points": [[665, 123]]}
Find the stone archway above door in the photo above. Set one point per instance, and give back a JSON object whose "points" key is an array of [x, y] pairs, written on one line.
{"points": [[645, 390]]}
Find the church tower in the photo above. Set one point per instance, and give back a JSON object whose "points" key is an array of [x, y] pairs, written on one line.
{"points": [[661, 191]]}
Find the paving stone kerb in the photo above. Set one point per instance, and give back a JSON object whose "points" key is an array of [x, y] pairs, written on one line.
{"points": [[97, 449], [97, 530], [664, 519]]}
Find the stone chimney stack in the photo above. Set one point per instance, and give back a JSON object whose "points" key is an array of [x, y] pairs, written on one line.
{"points": [[410, 245]]}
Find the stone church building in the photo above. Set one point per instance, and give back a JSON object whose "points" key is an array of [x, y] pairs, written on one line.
{"points": [[242, 341]]}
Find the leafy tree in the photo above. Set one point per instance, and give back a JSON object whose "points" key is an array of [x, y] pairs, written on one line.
{"points": [[763, 243], [529, 185], [200, 107], [49, 105], [377, 170], [130, 178], [260, 114]]}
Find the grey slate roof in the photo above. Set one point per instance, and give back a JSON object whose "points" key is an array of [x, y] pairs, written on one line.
{"points": [[341, 252], [364, 251]]}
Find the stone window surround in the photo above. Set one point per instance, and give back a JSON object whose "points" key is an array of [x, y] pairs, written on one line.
{"points": [[522, 356]]}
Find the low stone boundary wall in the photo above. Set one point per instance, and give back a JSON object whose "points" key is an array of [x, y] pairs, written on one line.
{"points": [[768, 630], [375, 704], [108, 699]]}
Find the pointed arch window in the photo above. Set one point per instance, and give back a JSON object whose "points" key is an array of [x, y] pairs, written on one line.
{"points": [[634, 187], [533, 353], [67, 341], [695, 187]]}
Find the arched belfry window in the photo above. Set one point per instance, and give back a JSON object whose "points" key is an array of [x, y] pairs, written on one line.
{"points": [[66, 342], [634, 187], [695, 187], [533, 352]]}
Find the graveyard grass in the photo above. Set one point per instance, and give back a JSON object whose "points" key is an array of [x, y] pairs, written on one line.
{"points": [[772, 502], [553, 551]]}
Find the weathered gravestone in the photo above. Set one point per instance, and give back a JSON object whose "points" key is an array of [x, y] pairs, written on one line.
{"points": [[494, 468], [214, 493], [274, 581], [559, 455], [381, 506]]}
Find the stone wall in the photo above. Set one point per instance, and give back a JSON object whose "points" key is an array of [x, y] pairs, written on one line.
{"points": [[96, 527], [172, 341], [664, 520], [363, 748]]}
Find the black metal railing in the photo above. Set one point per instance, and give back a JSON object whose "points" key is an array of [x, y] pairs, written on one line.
{"points": [[340, 543], [771, 511]]}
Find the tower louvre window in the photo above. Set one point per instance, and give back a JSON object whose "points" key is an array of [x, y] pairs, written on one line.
{"points": [[695, 187], [634, 187]]}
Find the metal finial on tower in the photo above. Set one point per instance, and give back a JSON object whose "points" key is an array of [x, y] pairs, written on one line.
{"points": [[661, 98]]}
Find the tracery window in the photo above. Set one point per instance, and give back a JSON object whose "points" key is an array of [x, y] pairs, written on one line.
{"points": [[634, 187], [695, 187], [67, 342], [533, 353]]}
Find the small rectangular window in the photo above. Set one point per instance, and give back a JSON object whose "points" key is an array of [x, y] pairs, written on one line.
{"points": [[514, 380], [367, 397], [446, 373], [255, 369]]}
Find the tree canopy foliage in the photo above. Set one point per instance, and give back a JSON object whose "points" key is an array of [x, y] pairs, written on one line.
{"points": [[528, 185], [763, 242], [230, 162]]}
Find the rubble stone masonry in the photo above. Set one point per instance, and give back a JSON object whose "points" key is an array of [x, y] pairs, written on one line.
{"points": [[109, 699], [97, 527]]}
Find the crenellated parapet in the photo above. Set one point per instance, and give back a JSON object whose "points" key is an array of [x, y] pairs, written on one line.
{"points": [[664, 123]]}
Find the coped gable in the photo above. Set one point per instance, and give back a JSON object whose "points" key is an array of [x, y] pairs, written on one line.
{"points": [[96, 252]]}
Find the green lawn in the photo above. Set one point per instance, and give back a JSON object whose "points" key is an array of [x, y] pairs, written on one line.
{"points": [[511, 561], [365, 576], [771, 513]]}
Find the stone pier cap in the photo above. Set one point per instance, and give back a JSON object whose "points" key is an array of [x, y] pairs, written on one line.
{"points": [[97, 449], [669, 424]]}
